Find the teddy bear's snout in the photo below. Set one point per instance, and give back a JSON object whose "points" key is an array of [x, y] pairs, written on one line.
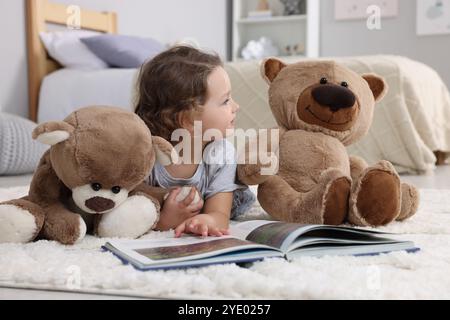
{"points": [[334, 97], [99, 204]]}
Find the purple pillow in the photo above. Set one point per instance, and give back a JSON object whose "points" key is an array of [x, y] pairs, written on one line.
{"points": [[123, 51]]}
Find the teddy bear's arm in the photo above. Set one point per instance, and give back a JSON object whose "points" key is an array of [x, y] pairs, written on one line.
{"points": [[266, 165], [250, 174], [139, 214], [156, 193], [46, 187]]}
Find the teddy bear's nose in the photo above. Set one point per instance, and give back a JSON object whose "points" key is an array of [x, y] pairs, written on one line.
{"points": [[99, 204], [334, 97]]}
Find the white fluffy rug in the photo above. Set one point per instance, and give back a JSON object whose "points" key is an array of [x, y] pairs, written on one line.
{"points": [[83, 267]]}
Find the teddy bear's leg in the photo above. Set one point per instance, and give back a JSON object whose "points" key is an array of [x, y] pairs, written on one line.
{"points": [[20, 221], [376, 196], [63, 225], [326, 203], [132, 219], [410, 201], [357, 166]]}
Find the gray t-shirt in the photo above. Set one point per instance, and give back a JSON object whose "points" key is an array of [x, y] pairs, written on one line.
{"points": [[215, 174]]}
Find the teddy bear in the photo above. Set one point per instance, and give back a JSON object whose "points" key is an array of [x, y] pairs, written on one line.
{"points": [[320, 108], [91, 180]]}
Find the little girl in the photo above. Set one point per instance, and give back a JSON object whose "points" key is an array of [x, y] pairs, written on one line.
{"points": [[178, 88]]}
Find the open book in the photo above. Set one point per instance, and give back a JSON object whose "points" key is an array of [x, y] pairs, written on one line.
{"points": [[254, 240]]}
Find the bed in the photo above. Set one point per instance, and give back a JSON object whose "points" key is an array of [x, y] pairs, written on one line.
{"points": [[40, 14]]}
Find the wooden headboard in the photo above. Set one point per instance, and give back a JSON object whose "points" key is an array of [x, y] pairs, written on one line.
{"points": [[39, 13]]}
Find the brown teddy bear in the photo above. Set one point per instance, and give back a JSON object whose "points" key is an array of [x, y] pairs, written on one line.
{"points": [[90, 180], [321, 107]]}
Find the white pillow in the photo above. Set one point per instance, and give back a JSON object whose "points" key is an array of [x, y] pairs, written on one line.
{"points": [[66, 48]]}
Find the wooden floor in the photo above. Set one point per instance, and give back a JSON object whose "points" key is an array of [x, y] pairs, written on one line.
{"points": [[438, 179]]}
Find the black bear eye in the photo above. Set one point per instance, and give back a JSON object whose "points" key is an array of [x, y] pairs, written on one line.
{"points": [[96, 186], [323, 81], [344, 84], [116, 190]]}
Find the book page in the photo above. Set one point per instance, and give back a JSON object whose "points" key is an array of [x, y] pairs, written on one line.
{"points": [[242, 229], [163, 251], [180, 248], [275, 234], [270, 233]]}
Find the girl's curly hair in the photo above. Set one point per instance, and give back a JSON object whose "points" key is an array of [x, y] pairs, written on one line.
{"points": [[172, 84]]}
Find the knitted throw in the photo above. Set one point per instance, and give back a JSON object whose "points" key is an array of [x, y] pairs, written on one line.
{"points": [[19, 153]]}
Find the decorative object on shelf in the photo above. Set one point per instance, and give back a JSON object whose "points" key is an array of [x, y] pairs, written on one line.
{"points": [[262, 10], [294, 7], [295, 50], [263, 5], [433, 17], [258, 49], [283, 30]]}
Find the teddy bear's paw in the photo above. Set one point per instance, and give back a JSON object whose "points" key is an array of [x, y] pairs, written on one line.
{"points": [[376, 198], [336, 201], [326, 203], [184, 192], [19, 224], [410, 201], [384, 165], [66, 228], [255, 174], [82, 229], [132, 219]]}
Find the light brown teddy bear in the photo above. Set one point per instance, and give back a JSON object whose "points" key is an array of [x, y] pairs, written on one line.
{"points": [[321, 107], [90, 180]]}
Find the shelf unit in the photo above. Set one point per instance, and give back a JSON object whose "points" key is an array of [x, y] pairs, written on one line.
{"points": [[282, 30]]}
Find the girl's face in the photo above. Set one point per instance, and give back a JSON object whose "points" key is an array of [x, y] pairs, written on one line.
{"points": [[219, 111]]}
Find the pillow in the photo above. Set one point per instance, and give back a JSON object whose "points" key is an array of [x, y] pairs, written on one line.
{"points": [[20, 154], [66, 48], [123, 51]]}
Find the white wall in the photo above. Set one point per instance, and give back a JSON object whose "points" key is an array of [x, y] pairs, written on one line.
{"points": [[164, 20], [397, 36], [13, 63], [168, 20]]}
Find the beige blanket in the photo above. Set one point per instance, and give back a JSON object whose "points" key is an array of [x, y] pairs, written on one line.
{"points": [[410, 124]]}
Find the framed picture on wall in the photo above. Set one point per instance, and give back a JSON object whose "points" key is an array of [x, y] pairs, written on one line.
{"points": [[433, 17]]}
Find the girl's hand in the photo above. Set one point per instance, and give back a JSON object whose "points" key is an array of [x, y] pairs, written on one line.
{"points": [[173, 212], [202, 224]]}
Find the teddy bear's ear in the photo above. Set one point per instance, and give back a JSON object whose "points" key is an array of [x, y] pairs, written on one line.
{"points": [[377, 84], [52, 133], [164, 151], [270, 68]]}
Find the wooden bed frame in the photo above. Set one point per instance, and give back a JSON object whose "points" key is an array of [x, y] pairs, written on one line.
{"points": [[39, 13]]}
